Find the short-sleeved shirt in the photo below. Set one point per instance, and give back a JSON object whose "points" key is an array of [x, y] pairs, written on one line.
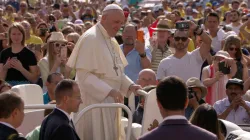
{"points": [[186, 67], [134, 63], [25, 56], [239, 116], [46, 98]]}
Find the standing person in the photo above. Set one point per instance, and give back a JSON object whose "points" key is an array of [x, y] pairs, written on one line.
{"points": [[182, 63], [172, 105], [11, 116], [99, 64], [58, 125], [235, 19]]}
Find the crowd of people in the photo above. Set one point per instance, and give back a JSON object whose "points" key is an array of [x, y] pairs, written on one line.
{"points": [[195, 53]]}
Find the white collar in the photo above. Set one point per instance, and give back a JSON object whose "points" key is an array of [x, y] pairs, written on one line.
{"points": [[7, 124], [64, 112], [175, 117]]}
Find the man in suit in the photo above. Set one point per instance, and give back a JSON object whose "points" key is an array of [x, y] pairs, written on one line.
{"points": [[58, 125], [11, 115], [172, 100]]}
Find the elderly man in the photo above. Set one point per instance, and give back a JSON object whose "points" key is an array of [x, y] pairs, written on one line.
{"points": [[99, 64], [234, 108], [146, 77]]}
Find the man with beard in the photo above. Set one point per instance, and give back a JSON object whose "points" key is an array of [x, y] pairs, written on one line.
{"points": [[234, 108], [182, 63], [235, 19]]}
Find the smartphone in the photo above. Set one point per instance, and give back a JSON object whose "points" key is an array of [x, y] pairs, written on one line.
{"points": [[43, 32], [182, 25], [61, 24], [64, 52], [140, 36], [223, 69]]}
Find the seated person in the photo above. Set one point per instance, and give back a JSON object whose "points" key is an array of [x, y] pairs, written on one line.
{"points": [[52, 80], [196, 92], [138, 114], [11, 116], [34, 134], [234, 108]]}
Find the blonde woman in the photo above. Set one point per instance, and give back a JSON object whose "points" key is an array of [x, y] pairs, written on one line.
{"points": [[72, 39], [54, 61], [18, 64]]}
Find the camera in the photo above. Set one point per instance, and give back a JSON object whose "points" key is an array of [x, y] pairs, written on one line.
{"points": [[191, 93], [182, 25]]}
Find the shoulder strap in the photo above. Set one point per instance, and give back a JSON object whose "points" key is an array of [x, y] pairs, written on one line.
{"points": [[211, 73]]}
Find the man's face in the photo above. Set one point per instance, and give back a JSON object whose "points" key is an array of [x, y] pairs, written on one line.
{"points": [[212, 23], [113, 22], [234, 17], [75, 100], [23, 6], [181, 40], [235, 5], [52, 85], [233, 91], [129, 35], [162, 36], [146, 79]]}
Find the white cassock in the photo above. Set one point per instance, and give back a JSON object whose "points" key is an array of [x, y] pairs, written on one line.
{"points": [[94, 58]]}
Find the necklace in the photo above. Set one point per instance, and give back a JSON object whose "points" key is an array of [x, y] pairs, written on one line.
{"points": [[113, 56]]}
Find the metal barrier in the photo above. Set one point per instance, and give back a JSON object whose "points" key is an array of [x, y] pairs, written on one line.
{"points": [[109, 105], [81, 113]]}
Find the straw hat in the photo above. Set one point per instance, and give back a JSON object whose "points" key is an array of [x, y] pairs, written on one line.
{"points": [[223, 54], [56, 37], [162, 25], [195, 82]]}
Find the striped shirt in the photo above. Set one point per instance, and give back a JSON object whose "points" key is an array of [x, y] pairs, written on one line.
{"points": [[157, 56]]}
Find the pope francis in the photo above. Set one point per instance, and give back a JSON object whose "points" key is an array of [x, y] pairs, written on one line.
{"points": [[99, 64]]}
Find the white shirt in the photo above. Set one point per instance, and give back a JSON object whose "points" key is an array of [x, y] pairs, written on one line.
{"points": [[64, 112], [216, 41], [7, 124], [239, 116], [236, 29], [175, 117], [186, 67]]}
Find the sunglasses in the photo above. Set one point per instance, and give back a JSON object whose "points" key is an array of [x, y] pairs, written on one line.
{"points": [[59, 45], [233, 49], [183, 39]]}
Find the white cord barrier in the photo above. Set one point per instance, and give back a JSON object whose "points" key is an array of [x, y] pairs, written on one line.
{"points": [[40, 106], [109, 105]]}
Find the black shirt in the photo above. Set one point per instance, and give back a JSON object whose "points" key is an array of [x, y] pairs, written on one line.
{"points": [[25, 56]]}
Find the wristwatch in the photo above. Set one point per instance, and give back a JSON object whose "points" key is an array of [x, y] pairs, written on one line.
{"points": [[143, 55]]}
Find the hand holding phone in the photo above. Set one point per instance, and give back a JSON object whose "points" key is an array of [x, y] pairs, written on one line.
{"points": [[223, 68], [64, 53], [182, 25]]}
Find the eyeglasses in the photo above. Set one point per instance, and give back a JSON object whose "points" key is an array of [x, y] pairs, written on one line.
{"points": [[183, 39], [233, 49]]}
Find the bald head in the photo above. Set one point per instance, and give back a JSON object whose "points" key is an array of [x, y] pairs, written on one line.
{"points": [[147, 77], [112, 19]]}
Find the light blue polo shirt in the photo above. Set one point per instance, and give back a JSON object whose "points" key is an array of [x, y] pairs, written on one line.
{"points": [[134, 63]]}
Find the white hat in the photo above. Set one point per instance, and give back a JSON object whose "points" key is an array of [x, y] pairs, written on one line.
{"points": [[195, 82], [223, 54], [112, 7], [56, 37]]}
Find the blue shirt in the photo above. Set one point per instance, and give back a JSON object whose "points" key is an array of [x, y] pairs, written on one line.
{"points": [[46, 98], [134, 63]]}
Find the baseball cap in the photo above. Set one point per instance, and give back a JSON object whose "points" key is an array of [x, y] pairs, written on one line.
{"points": [[235, 81]]}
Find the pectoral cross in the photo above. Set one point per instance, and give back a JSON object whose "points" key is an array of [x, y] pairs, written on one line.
{"points": [[115, 68]]}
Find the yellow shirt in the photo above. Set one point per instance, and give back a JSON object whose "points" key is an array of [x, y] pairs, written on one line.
{"points": [[182, 13], [34, 40], [243, 37], [224, 9], [191, 45]]}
